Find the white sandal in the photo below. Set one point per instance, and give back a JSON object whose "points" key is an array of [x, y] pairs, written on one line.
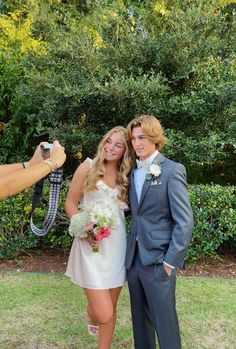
{"points": [[92, 329]]}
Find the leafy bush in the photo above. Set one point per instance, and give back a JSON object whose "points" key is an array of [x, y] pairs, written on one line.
{"points": [[214, 210], [14, 217], [15, 233], [108, 61]]}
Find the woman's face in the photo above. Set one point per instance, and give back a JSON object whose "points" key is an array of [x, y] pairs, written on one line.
{"points": [[114, 147]]}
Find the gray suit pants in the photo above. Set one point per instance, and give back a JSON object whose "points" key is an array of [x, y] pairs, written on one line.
{"points": [[152, 298]]}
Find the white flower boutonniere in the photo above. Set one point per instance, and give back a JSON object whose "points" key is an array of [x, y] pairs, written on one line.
{"points": [[153, 171]]}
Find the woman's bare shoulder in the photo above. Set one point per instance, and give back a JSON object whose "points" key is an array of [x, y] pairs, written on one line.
{"points": [[82, 169]]}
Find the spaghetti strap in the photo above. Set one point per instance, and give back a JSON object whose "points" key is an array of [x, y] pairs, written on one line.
{"points": [[89, 161]]}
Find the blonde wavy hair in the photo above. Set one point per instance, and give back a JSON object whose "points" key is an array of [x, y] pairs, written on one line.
{"points": [[97, 170], [151, 127]]}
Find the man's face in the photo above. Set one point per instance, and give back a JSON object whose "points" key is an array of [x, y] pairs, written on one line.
{"points": [[142, 145]]}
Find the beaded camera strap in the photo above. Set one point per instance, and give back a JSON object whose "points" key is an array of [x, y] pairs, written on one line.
{"points": [[55, 180]]}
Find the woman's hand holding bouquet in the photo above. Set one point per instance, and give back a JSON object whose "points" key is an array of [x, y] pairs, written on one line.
{"points": [[94, 222]]}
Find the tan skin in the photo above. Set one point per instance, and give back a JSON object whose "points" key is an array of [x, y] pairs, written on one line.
{"points": [[144, 148], [14, 178], [101, 309]]}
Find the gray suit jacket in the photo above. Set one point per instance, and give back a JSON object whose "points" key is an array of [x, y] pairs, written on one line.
{"points": [[162, 221]]}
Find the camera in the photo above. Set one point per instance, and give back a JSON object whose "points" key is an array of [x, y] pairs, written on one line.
{"points": [[46, 150]]}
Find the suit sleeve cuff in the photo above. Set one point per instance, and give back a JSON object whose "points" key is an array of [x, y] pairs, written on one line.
{"points": [[168, 265]]}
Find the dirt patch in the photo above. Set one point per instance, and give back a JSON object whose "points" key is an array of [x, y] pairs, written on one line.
{"points": [[53, 260], [44, 260], [224, 266]]}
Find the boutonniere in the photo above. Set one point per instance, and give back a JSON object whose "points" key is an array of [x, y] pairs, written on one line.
{"points": [[154, 171]]}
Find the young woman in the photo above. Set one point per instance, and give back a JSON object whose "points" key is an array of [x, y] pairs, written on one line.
{"points": [[101, 274], [19, 176]]}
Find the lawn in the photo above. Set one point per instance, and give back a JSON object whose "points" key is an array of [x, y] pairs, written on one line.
{"points": [[45, 311]]}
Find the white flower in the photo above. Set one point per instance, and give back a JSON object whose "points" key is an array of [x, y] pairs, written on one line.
{"points": [[154, 170], [77, 223]]}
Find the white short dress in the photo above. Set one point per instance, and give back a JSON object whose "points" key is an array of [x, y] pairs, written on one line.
{"points": [[104, 269]]}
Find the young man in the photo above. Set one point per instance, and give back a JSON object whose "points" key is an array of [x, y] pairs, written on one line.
{"points": [[161, 230]]}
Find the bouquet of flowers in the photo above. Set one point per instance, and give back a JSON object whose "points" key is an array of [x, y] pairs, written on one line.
{"points": [[96, 219]]}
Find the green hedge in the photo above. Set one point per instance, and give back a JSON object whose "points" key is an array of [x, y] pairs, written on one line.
{"points": [[214, 209], [15, 233], [116, 59]]}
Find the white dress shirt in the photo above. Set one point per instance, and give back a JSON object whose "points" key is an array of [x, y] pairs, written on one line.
{"points": [[139, 179], [140, 173]]}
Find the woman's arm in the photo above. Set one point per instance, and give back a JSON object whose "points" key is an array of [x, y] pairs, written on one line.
{"points": [[75, 192], [9, 168], [22, 179], [14, 178]]}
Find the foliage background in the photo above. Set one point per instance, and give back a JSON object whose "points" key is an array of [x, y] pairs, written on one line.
{"points": [[73, 69], [214, 210]]}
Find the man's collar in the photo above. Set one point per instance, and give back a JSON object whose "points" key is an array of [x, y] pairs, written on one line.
{"points": [[152, 157]]}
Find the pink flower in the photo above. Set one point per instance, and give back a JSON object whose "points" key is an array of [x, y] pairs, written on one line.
{"points": [[102, 233]]}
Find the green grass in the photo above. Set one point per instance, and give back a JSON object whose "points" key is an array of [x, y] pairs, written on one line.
{"points": [[40, 311]]}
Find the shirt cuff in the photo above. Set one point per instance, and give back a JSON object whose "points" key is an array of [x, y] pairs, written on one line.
{"points": [[168, 265]]}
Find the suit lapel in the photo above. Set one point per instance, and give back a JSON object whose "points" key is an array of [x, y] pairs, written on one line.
{"points": [[145, 188], [160, 158]]}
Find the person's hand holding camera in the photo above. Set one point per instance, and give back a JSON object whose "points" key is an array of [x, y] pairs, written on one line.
{"points": [[18, 176], [58, 154], [53, 155]]}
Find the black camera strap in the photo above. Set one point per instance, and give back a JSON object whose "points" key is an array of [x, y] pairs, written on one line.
{"points": [[38, 189]]}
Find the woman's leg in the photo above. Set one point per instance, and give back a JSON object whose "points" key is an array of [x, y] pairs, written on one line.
{"points": [[102, 311], [106, 330]]}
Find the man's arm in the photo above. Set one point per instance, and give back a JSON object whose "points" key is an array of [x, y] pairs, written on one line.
{"points": [[182, 216]]}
